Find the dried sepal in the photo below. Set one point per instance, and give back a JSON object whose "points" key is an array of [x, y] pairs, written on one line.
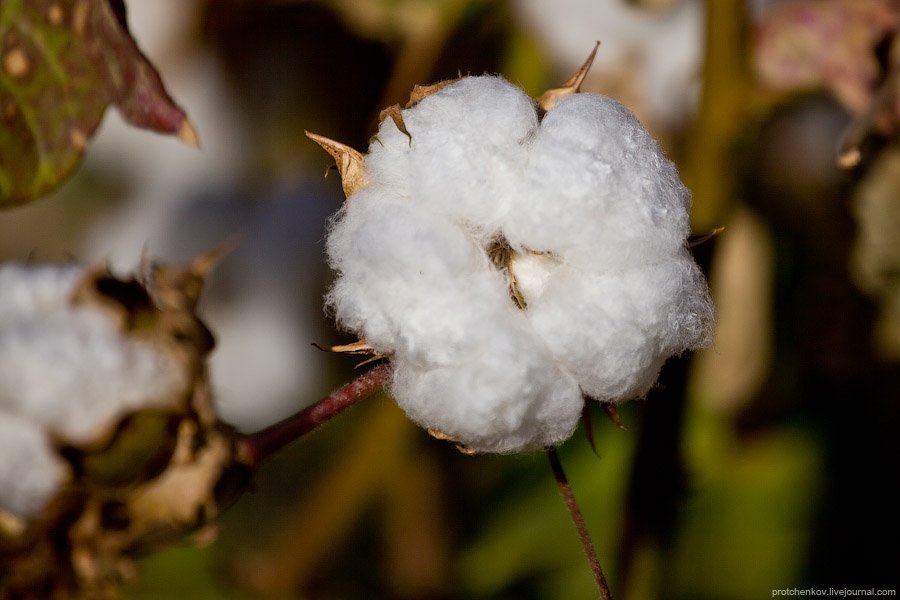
{"points": [[588, 422], [613, 413], [126, 300], [439, 435], [198, 463], [393, 112], [549, 98], [180, 286], [420, 92], [502, 257], [696, 239], [11, 526], [350, 163], [360, 347], [848, 155]]}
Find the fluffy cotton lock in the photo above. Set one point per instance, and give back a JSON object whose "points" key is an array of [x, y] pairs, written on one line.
{"points": [[513, 262], [67, 373]]}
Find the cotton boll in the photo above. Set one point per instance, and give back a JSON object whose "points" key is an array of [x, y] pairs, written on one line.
{"points": [[510, 266], [597, 180], [468, 145], [30, 472], [71, 369]]}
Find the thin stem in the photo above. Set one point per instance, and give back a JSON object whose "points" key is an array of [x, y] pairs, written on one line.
{"points": [[566, 490], [254, 447]]}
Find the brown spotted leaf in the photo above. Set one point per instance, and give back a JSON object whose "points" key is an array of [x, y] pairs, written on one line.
{"points": [[62, 62]]}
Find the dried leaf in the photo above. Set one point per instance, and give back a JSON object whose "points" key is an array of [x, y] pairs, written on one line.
{"points": [[350, 163], [549, 98], [62, 62]]}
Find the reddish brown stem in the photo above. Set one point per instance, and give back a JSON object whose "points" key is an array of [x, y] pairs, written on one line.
{"points": [[250, 449], [566, 490]]}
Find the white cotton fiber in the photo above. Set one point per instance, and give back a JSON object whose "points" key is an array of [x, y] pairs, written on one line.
{"points": [[73, 372], [67, 373], [597, 189], [30, 472], [504, 393], [28, 292], [512, 264], [613, 331], [462, 163]]}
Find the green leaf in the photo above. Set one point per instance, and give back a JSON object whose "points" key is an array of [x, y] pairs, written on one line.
{"points": [[62, 62]]}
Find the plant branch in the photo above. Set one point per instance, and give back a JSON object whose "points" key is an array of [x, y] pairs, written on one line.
{"points": [[566, 490], [250, 449]]}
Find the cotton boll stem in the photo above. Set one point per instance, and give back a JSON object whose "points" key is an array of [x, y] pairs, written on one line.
{"points": [[578, 519], [253, 448]]}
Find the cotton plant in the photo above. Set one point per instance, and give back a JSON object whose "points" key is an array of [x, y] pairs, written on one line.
{"points": [[111, 441], [514, 259], [505, 259]]}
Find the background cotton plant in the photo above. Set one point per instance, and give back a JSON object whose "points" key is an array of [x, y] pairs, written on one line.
{"points": [[67, 373], [108, 435], [513, 257]]}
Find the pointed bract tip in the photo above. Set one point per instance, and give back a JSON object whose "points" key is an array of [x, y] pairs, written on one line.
{"points": [[187, 134], [397, 117], [420, 92], [700, 238], [548, 99], [848, 158], [350, 163], [440, 435], [204, 263], [360, 347]]}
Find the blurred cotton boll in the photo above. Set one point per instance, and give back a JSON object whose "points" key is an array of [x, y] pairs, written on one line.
{"points": [[659, 51], [109, 440], [69, 370]]}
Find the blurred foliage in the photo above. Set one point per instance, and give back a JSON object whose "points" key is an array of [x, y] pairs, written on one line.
{"points": [[766, 467], [63, 63]]}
